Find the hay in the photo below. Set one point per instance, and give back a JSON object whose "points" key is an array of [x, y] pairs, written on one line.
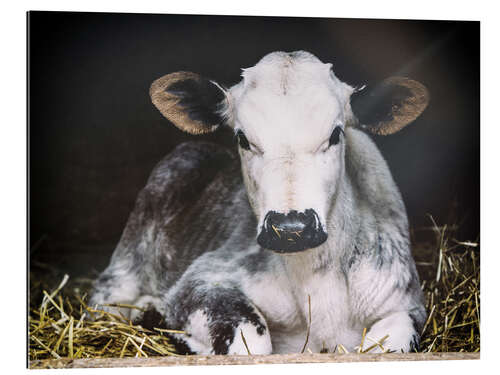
{"points": [[58, 328], [57, 324], [450, 275]]}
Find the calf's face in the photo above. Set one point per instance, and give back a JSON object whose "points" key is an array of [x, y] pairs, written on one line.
{"points": [[288, 114]]}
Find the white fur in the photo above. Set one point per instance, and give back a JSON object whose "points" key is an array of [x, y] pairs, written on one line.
{"points": [[197, 334], [288, 110], [256, 344], [398, 327]]}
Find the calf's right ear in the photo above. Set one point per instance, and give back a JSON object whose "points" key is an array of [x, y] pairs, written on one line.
{"points": [[189, 101]]}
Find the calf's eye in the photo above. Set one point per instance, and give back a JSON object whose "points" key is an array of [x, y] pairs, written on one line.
{"points": [[335, 137], [242, 140]]}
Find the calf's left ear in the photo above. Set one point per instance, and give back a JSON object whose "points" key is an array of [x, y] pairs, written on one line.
{"points": [[389, 106], [189, 101]]}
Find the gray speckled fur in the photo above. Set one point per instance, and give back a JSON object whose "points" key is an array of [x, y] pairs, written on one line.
{"points": [[189, 249], [214, 232]]}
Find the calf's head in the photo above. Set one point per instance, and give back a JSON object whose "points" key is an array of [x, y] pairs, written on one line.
{"points": [[289, 114]]}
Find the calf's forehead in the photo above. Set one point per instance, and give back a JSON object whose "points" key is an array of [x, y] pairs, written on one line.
{"points": [[283, 73], [302, 119], [289, 97]]}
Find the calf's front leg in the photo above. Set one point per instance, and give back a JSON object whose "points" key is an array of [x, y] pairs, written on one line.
{"points": [[217, 320], [401, 331]]}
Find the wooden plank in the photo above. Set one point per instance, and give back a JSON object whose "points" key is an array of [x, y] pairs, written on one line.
{"points": [[196, 360]]}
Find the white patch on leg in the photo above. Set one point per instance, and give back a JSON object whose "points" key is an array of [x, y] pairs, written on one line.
{"points": [[257, 344], [400, 329], [197, 335]]}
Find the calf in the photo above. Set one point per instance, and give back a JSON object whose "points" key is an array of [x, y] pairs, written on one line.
{"points": [[305, 234]]}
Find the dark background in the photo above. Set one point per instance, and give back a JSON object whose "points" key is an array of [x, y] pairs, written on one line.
{"points": [[95, 136]]}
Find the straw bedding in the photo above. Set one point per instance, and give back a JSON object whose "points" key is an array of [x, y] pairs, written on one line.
{"points": [[57, 324]]}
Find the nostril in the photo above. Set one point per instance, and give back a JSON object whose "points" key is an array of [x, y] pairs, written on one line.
{"points": [[266, 223], [315, 222]]}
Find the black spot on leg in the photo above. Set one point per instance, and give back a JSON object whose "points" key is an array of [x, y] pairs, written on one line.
{"points": [[151, 319], [181, 347], [226, 312], [225, 308], [222, 337]]}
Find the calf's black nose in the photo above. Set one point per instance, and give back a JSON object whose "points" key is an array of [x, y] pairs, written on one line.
{"points": [[292, 232]]}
